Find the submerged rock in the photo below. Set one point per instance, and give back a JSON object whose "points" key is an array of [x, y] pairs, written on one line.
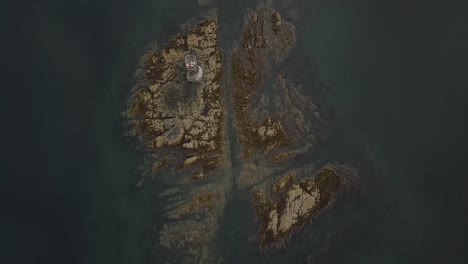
{"points": [[204, 3], [193, 224]]}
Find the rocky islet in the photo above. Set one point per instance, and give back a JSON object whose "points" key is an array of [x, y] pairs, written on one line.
{"points": [[183, 129]]}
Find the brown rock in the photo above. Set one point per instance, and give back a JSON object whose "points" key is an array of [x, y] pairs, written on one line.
{"points": [[169, 112], [291, 204]]}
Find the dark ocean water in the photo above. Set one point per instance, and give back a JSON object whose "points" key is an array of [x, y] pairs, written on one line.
{"points": [[397, 70], [399, 81]]}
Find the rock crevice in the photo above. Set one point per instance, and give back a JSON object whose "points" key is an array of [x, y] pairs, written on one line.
{"points": [[181, 128]]}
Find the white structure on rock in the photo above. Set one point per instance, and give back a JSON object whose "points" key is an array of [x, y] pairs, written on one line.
{"points": [[194, 71]]}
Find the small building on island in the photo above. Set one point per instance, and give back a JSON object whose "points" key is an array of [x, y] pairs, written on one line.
{"points": [[194, 71]]}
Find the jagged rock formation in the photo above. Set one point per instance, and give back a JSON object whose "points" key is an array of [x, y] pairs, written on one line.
{"points": [[289, 204], [165, 112], [181, 126], [275, 121]]}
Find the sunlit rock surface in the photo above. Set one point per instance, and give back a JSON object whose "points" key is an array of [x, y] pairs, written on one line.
{"points": [[288, 204], [175, 120], [274, 119], [244, 112], [276, 122], [180, 127]]}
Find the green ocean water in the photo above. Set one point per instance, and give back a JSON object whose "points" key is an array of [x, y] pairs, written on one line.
{"points": [[395, 69], [398, 77]]}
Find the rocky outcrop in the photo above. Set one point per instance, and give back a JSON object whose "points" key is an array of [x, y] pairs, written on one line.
{"points": [[273, 116], [180, 125], [166, 112], [274, 119], [288, 204], [276, 122]]}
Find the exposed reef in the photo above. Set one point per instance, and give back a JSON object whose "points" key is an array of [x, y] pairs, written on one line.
{"points": [[193, 222], [288, 204], [183, 129], [276, 122], [269, 109], [165, 112], [180, 127], [274, 119]]}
